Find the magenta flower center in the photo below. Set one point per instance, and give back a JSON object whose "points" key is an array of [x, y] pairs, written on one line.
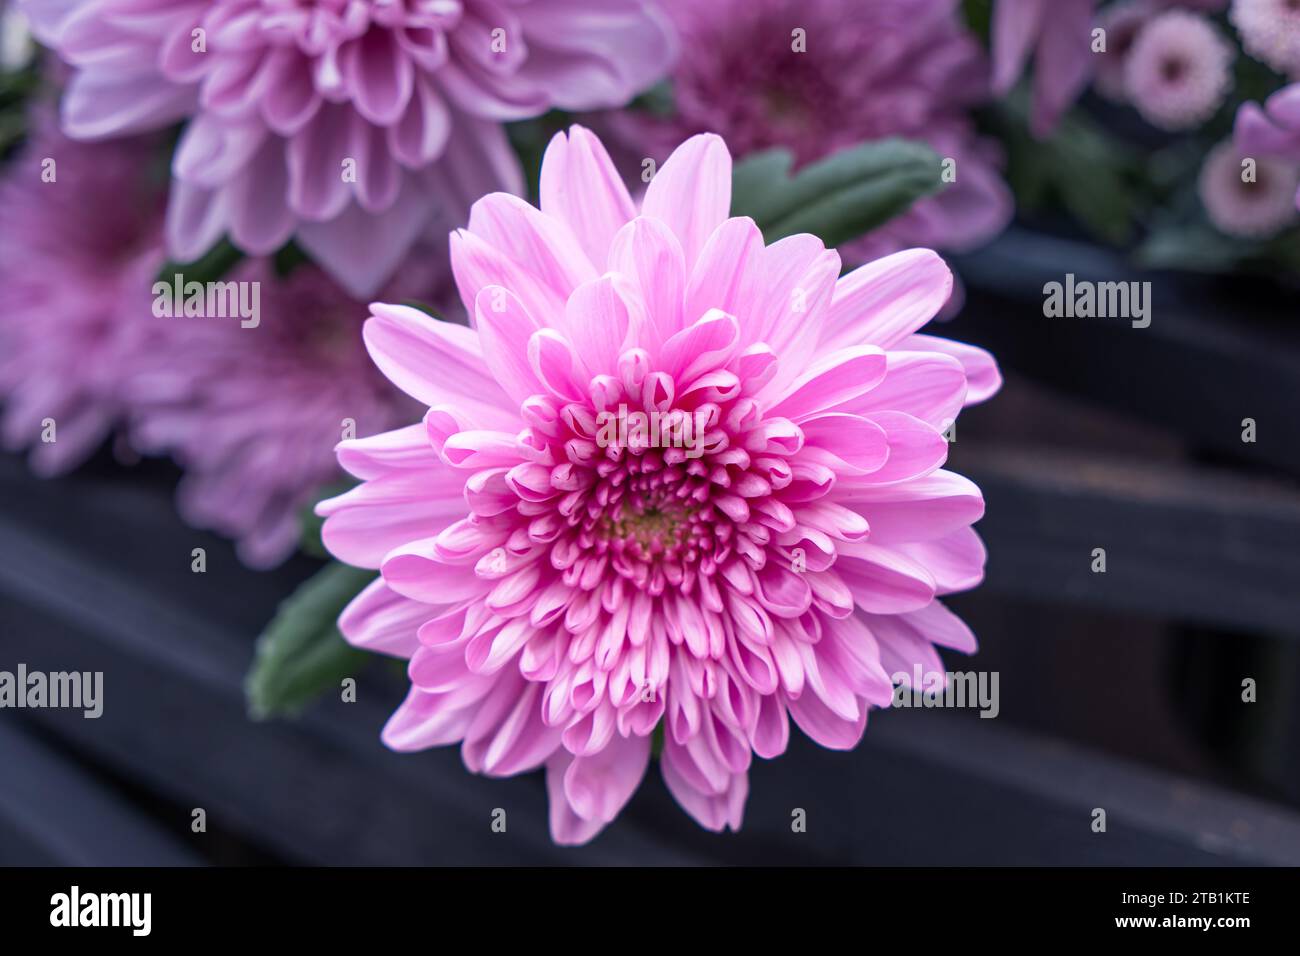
{"points": [[654, 492]]}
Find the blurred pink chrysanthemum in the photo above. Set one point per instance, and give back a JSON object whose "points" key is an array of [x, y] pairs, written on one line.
{"points": [[1273, 130], [1270, 31], [1122, 22], [1178, 70], [251, 414], [81, 242], [857, 72], [1059, 35], [343, 123], [1254, 209], [566, 577]]}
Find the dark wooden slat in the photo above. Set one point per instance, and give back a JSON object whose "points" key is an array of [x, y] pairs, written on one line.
{"points": [[1197, 545], [923, 788], [174, 718], [324, 790], [54, 813], [1073, 781], [1208, 360]]}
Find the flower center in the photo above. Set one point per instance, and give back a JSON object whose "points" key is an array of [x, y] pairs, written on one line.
{"points": [[653, 520], [646, 530]]}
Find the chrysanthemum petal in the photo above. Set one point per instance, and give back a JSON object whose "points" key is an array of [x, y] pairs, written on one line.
{"points": [[567, 828], [929, 386], [364, 524], [691, 192], [648, 254], [882, 302], [542, 246], [884, 580], [728, 273], [825, 726], [599, 786], [580, 186], [834, 381], [415, 570], [983, 379], [433, 362], [597, 321], [362, 249], [918, 510], [504, 328], [386, 452], [378, 619], [956, 560], [426, 720]]}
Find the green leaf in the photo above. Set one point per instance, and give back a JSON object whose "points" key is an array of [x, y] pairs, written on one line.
{"points": [[752, 181], [301, 653], [425, 307], [839, 198], [288, 258], [657, 100], [1087, 170], [1191, 247], [1092, 185], [978, 15], [1197, 246], [209, 267], [16, 88]]}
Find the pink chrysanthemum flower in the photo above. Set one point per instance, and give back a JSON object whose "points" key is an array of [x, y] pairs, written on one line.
{"points": [[856, 72], [81, 242], [1059, 34], [249, 413], [1122, 23], [1270, 31], [1256, 209], [1178, 70], [1273, 130], [765, 539], [282, 96], [252, 408]]}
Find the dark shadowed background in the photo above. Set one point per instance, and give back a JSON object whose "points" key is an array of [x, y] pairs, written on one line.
{"points": [[1120, 691]]}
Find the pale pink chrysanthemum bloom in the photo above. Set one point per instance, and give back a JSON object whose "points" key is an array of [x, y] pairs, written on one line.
{"points": [[561, 589], [1255, 209], [856, 72], [251, 414], [81, 242], [1178, 70], [251, 408], [1270, 31], [1122, 22], [1273, 130], [281, 96], [1058, 33]]}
